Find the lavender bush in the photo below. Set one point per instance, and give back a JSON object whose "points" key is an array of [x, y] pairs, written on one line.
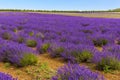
{"points": [[16, 53], [76, 72]]}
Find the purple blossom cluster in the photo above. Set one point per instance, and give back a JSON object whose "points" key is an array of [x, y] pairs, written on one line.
{"points": [[76, 72], [4, 76], [112, 51], [13, 52]]}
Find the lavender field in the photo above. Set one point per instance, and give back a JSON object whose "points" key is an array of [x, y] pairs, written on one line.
{"points": [[24, 37]]}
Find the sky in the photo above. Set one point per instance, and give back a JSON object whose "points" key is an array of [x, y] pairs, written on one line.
{"points": [[60, 4]]}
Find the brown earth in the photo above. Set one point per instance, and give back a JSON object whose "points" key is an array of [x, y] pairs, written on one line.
{"points": [[21, 73]]}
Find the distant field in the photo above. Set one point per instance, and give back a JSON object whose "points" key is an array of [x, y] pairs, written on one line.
{"points": [[87, 14], [99, 15]]}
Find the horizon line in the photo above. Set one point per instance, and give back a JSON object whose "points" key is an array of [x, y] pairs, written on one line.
{"points": [[54, 9]]}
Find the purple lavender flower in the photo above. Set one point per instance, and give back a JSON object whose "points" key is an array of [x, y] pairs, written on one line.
{"points": [[76, 72], [4, 76]]}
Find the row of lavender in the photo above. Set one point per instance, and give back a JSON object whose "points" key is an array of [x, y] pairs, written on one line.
{"points": [[73, 38]]}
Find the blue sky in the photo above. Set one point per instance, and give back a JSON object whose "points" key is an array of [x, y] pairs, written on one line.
{"points": [[60, 4]]}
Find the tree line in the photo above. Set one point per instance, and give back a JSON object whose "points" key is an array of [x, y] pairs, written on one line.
{"points": [[92, 11]]}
